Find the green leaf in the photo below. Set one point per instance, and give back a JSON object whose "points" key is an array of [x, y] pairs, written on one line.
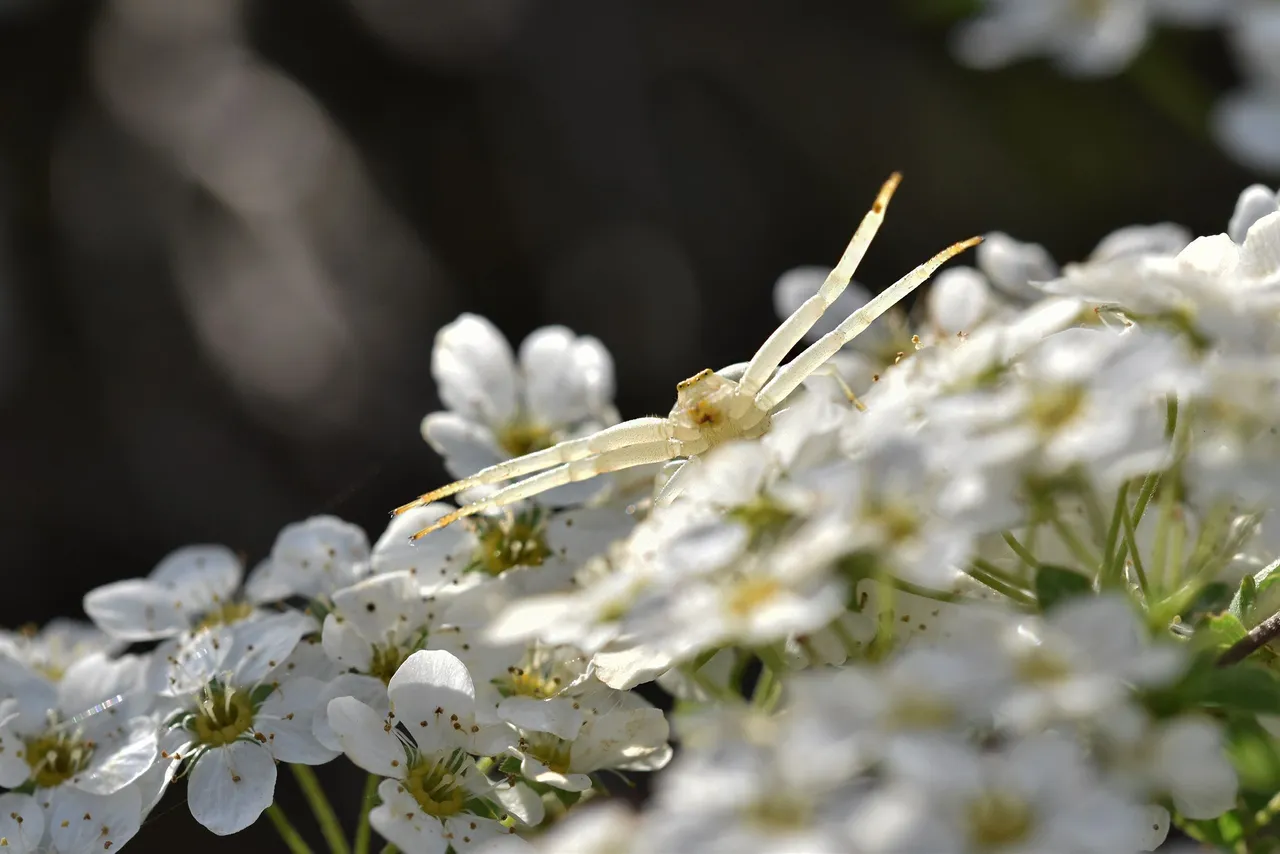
{"points": [[1242, 688], [1253, 753], [1215, 596], [1242, 602], [1055, 583], [1220, 631]]}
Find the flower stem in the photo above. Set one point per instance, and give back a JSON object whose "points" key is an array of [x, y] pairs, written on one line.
{"points": [[287, 831], [323, 810], [1020, 550], [1131, 538], [366, 804], [989, 574]]}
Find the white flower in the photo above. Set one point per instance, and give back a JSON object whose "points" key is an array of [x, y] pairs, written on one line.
{"points": [[88, 732], [565, 739], [235, 724], [1081, 658], [311, 559], [1095, 38], [53, 648], [1255, 202], [1246, 121], [423, 745], [1037, 796], [79, 748], [67, 821], [561, 388], [191, 585]]}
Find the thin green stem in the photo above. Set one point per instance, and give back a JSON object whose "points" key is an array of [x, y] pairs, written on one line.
{"points": [[363, 831], [923, 592], [321, 808], [764, 686], [1144, 496], [1131, 538], [288, 833], [1020, 550], [987, 573], [1107, 568]]}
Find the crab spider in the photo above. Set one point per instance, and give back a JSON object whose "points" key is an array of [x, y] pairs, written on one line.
{"points": [[711, 407]]}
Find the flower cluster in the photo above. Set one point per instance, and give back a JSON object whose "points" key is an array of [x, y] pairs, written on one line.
{"points": [[1097, 38], [983, 584]]}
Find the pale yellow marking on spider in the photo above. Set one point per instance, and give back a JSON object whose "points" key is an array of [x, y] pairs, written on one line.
{"points": [[711, 407]]}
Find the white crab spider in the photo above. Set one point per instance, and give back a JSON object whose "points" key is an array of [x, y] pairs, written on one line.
{"points": [[711, 407]]}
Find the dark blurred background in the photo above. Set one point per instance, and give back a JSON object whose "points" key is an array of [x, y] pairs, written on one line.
{"points": [[230, 229]]}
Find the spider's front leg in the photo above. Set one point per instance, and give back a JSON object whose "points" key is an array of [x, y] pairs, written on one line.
{"points": [[586, 468], [634, 432]]}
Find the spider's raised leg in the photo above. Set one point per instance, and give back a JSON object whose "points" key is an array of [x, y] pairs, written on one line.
{"points": [[779, 343], [634, 432], [571, 472], [785, 381]]}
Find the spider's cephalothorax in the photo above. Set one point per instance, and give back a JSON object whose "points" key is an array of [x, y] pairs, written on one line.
{"points": [[710, 407]]}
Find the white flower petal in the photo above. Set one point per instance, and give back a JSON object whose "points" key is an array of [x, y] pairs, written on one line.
{"points": [[201, 575], [521, 802], [617, 737], [262, 644], [135, 610], [311, 558], [21, 822], [197, 660], [97, 679], [403, 822], [14, 769], [958, 299], [120, 761], [231, 786], [533, 769], [1013, 266], [566, 378], [557, 716], [344, 644], [470, 833], [1254, 203], [285, 719], [382, 608], [1247, 124], [466, 446], [366, 738], [81, 823], [425, 558], [474, 370], [368, 690], [435, 687]]}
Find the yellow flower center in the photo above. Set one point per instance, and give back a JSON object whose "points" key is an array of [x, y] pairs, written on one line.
{"points": [[224, 614], [223, 717], [56, 757], [386, 661], [552, 751], [1039, 666], [752, 594], [763, 518], [510, 542], [529, 682], [522, 436], [1052, 409], [435, 788], [997, 819]]}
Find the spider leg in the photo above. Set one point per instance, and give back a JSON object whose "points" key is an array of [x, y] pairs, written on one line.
{"points": [[788, 334], [785, 381], [633, 432], [570, 472]]}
